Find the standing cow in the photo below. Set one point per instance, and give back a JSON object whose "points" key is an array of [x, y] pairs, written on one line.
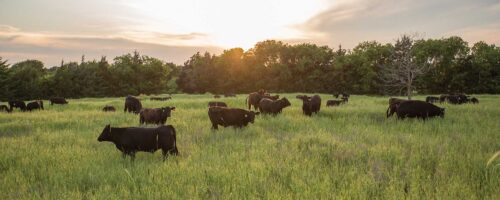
{"points": [[58, 100], [132, 139], [109, 108], [155, 115], [230, 117], [17, 104], [34, 105], [4, 108], [269, 106], [254, 98], [418, 109], [310, 105], [132, 104]]}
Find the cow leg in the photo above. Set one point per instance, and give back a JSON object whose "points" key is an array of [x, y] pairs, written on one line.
{"points": [[214, 126], [165, 154]]}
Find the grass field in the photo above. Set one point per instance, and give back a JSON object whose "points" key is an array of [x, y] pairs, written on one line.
{"points": [[347, 152]]}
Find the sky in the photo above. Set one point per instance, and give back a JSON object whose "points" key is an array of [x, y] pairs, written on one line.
{"points": [[173, 30]]}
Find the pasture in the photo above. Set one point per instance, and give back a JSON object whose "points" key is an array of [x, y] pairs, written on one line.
{"points": [[346, 152]]}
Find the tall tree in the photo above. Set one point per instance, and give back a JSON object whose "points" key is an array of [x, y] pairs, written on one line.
{"points": [[403, 70]]}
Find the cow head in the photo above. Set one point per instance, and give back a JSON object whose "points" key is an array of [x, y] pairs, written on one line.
{"points": [[105, 134], [165, 113], [284, 102], [250, 116]]}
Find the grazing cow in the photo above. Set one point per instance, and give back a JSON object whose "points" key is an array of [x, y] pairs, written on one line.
{"points": [[17, 104], [254, 98], [230, 117], [4, 108], [454, 98], [155, 115], [216, 96], [216, 103], [393, 106], [310, 104], [132, 104], [333, 103], [133, 139], [229, 95], [419, 109], [269, 106], [109, 108], [431, 99], [474, 100], [34, 105], [57, 100], [160, 98]]}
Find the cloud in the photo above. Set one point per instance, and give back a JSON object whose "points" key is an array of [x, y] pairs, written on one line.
{"points": [[351, 22], [16, 46]]}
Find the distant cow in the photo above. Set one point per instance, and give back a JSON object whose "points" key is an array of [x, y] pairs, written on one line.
{"points": [[431, 99], [109, 108], [34, 105], [393, 106], [155, 115], [132, 104], [454, 98], [229, 95], [216, 96], [4, 108], [133, 139], [230, 117], [160, 98], [269, 106], [418, 109], [474, 100], [333, 103], [57, 100], [216, 103], [17, 104], [310, 104]]}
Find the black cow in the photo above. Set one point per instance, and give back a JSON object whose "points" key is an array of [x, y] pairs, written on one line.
{"points": [[431, 99], [109, 108], [269, 106], [133, 139], [132, 104], [34, 105], [216, 96], [333, 103], [230, 117], [4, 108], [419, 109], [216, 103], [155, 115], [254, 98], [454, 98], [58, 100], [17, 104], [474, 100], [393, 106], [160, 98], [310, 104]]}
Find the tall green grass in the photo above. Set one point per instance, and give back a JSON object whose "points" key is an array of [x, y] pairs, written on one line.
{"points": [[346, 152]]}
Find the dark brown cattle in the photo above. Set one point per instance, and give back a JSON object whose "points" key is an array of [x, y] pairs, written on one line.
{"points": [[269, 106], [216, 103], [17, 104], [474, 100], [254, 98], [109, 108], [57, 100], [418, 109], [132, 104], [216, 96], [133, 139], [4, 108], [155, 115], [333, 103], [34, 105], [310, 105], [230, 117], [160, 98], [393, 106]]}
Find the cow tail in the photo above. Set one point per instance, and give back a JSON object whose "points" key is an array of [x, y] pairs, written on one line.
{"points": [[175, 151]]}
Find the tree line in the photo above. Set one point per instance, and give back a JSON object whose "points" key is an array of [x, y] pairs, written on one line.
{"points": [[446, 65]]}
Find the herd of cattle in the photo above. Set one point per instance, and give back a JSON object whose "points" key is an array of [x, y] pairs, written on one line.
{"points": [[130, 140]]}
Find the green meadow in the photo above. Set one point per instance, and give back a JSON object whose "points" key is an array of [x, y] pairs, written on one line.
{"points": [[346, 152]]}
